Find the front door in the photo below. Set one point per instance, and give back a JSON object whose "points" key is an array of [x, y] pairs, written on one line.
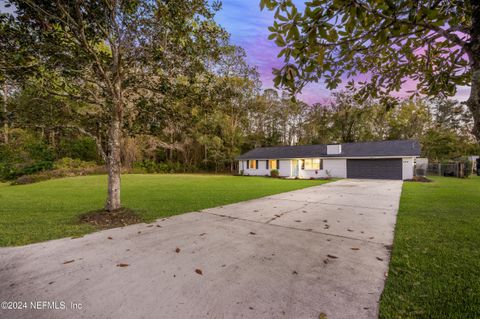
{"points": [[294, 168]]}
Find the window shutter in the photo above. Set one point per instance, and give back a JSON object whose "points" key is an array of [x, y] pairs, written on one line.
{"points": [[256, 164], [266, 164], [321, 164], [303, 164], [248, 164], [278, 164]]}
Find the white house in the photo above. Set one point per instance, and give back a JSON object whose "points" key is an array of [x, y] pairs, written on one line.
{"points": [[379, 160]]}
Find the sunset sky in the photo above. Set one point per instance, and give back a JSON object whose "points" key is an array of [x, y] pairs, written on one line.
{"points": [[248, 27]]}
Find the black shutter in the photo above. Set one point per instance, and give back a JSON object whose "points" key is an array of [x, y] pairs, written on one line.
{"points": [[256, 164], [278, 164], [321, 164], [303, 164], [248, 164], [266, 164]]}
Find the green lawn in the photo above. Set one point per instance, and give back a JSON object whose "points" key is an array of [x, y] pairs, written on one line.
{"points": [[50, 209], [435, 267]]}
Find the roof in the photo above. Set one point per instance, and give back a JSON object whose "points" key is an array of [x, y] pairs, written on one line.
{"points": [[361, 149]]}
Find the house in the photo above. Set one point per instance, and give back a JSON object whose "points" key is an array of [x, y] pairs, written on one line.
{"points": [[380, 160]]}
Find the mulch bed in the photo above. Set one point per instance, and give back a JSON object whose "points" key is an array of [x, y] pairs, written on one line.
{"points": [[420, 179], [103, 219]]}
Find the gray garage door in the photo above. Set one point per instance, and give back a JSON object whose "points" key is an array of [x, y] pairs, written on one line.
{"points": [[375, 168]]}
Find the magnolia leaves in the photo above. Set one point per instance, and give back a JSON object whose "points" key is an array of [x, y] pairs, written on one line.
{"points": [[390, 41]]}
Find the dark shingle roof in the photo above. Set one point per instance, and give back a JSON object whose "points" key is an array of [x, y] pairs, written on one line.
{"points": [[361, 149]]}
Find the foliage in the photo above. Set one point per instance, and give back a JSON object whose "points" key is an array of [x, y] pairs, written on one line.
{"points": [[83, 148], [274, 173], [435, 261], [65, 167], [72, 163], [49, 210], [24, 155]]}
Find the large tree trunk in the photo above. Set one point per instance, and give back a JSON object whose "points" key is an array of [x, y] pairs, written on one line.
{"points": [[473, 102], [5, 118], [114, 165]]}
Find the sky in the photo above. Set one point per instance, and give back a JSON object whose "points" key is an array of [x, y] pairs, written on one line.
{"points": [[248, 27]]}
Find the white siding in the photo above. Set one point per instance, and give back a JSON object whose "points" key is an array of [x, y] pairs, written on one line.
{"points": [[262, 170], [408, 166], [334, 149], [336, 168], [285, 168]]}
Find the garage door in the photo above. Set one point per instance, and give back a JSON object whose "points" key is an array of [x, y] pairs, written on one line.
{"points": [[375, 168]]}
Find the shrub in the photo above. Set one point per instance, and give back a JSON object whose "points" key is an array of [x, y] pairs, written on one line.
{"points": [[73, 163], [59, 173], [37, 167], [83, 148], [274, 173]]}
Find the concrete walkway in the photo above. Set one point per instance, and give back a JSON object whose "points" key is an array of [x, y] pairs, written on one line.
{"points": [[299, 254]]}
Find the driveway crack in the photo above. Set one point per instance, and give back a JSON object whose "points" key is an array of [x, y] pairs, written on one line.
{"points": [[277, 216]]}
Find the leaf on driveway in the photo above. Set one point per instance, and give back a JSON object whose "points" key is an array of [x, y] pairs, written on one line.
{"points": [[350, 230], [122, 265], [159, 226], [68, 261], [298, 221], [322, 315], [326, 226], [378, 258], [252, 233], [294, 272], [332, 256], [109, 237], [177, 250], [355, 248], [199, 271], [255, 211]]}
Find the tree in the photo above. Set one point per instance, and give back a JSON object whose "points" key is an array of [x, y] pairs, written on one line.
{"points": [[119, 56], [435, 43], [17, 62]]}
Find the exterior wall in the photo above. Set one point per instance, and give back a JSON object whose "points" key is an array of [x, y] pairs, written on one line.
{"points": [[285, 169], [262, 168], [336, 168], [408, 167]]}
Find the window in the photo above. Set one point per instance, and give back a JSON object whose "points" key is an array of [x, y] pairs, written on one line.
{"points": [[312, 164], [273, 164], [252, 164]]}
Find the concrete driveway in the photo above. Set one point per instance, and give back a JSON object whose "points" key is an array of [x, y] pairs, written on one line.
{"points": [[301, 254]]}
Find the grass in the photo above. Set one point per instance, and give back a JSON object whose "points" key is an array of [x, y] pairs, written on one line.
{"points": [[50, 209], [435, 266]]}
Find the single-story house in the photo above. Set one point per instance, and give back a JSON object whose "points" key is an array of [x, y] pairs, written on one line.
{"points": [[380, 160]]}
